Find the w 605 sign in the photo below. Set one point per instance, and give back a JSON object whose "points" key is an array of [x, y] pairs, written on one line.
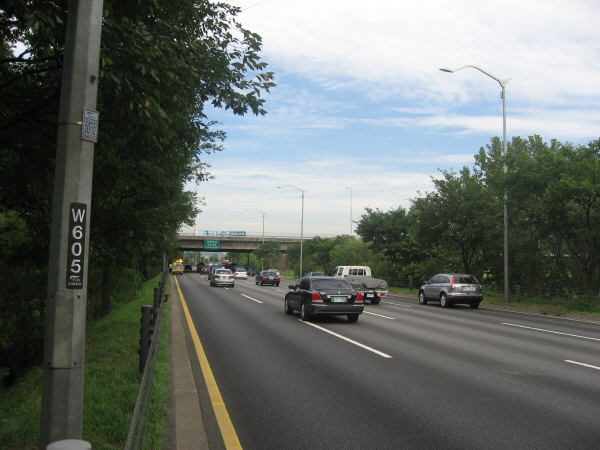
{"points": [[76, 252]]}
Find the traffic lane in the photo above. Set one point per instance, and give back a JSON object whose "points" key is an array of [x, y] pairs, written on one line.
{"points": [[473, 333], [289, 396], [446, 386]]}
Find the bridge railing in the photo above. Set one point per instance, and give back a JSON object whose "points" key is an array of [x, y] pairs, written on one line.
{"points": [[259, 234]]}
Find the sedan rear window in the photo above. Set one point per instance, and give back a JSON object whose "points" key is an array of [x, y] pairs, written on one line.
{"points": [[333, 283]]}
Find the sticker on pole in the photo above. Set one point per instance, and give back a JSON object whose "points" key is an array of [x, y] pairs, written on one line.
{"points": [[76, 245], [89, 130]]}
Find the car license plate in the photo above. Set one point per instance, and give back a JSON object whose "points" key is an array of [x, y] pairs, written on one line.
{"points": [[468, 288], [370, 295], [338, 299]]}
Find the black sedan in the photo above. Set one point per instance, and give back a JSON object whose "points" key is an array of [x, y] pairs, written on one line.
{"points": [[267, 277], [324, 295]]}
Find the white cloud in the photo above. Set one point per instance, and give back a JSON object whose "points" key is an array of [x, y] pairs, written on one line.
{"points": [[361, 102]]}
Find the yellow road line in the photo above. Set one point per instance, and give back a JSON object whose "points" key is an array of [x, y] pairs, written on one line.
{"points": [[227, 430]]}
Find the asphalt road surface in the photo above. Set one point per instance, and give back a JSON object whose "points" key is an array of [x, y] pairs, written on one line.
{"points": [[405, 376]]}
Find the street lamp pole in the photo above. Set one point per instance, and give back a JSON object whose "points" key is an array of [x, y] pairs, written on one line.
{"points": [[503, 82], [350, 209], [301, 222], [262, 265]]}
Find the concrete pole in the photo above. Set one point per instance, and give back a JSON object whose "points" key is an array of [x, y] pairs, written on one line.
{"points": [[62, 390]]}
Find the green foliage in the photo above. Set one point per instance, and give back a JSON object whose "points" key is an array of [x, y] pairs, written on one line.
{"points": [[268, 252], [160, 63], [111, 385]]}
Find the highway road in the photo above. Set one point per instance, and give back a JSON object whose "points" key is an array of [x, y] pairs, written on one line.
{"points": [[405, 376]]}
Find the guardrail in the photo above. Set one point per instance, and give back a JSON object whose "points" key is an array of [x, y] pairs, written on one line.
{"points": [[151, 324]]}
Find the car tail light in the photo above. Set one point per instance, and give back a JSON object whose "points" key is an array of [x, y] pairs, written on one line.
{"points": [[382, 294], [452, 288], [230, 276], [359, 298], [277, 278], [316, 298], [217, 276]]}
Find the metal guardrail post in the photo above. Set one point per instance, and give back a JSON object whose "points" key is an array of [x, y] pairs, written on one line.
{"points": [[145, 335]]}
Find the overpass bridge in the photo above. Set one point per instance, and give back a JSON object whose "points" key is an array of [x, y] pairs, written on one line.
{"points": [[244, 244]]}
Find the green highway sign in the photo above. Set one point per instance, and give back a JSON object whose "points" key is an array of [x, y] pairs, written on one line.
{"points": [[212, 244]]}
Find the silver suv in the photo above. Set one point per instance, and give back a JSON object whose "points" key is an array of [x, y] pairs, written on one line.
{"points": [[452, 288]]}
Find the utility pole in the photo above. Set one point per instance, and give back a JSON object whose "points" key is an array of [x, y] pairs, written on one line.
{"points": [[62, 390]]}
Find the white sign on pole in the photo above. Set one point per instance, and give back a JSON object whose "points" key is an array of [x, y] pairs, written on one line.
{"points": [[89, 130]]}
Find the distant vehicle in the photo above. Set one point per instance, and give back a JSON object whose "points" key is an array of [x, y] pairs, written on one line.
{"points": [[315, 274], [204, 269], [177, 269], [452, 288], [361, 279], [212, 270], [188, 268], [267, 277], [222, 277], [241, 273], [322, 296], [250, 271]]}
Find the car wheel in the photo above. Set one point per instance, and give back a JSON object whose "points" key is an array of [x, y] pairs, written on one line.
{"points": [[422, 299], [474, 305], [232, 286], [304, 315], [352, 317], [375, 301], [277, 284], [287, 307], [444, 301], [256, 282]]}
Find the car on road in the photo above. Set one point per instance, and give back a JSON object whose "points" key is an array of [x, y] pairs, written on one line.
{"points": [[222, 277], [267, 277], [315, 274], [204, 269], [188, 268], [452, 288], [241, 273], [250, 271], [315, 296]]}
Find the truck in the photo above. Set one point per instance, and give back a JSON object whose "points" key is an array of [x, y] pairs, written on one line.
{"points": [[177, 269], [360, 278]]}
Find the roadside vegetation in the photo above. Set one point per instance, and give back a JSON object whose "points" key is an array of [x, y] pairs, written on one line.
{"points": [[111, 384], [553, 192], [161, 63]]}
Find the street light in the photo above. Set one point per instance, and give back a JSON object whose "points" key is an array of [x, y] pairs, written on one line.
{"points": [[350, 209], [301, 222], [503, 83], [262, 266]]}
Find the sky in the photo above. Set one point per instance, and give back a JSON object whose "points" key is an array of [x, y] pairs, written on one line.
{"points": [[362, 116]]}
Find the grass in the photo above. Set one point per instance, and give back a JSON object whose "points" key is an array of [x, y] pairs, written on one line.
{"points": [[111, 384]]}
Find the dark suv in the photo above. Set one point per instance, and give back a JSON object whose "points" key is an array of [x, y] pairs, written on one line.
{"points": [[452, 288]]}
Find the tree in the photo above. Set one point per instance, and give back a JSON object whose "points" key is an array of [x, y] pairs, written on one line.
{"points": [[557, 192], [268, 252], [457, 222], [160, 62]]}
